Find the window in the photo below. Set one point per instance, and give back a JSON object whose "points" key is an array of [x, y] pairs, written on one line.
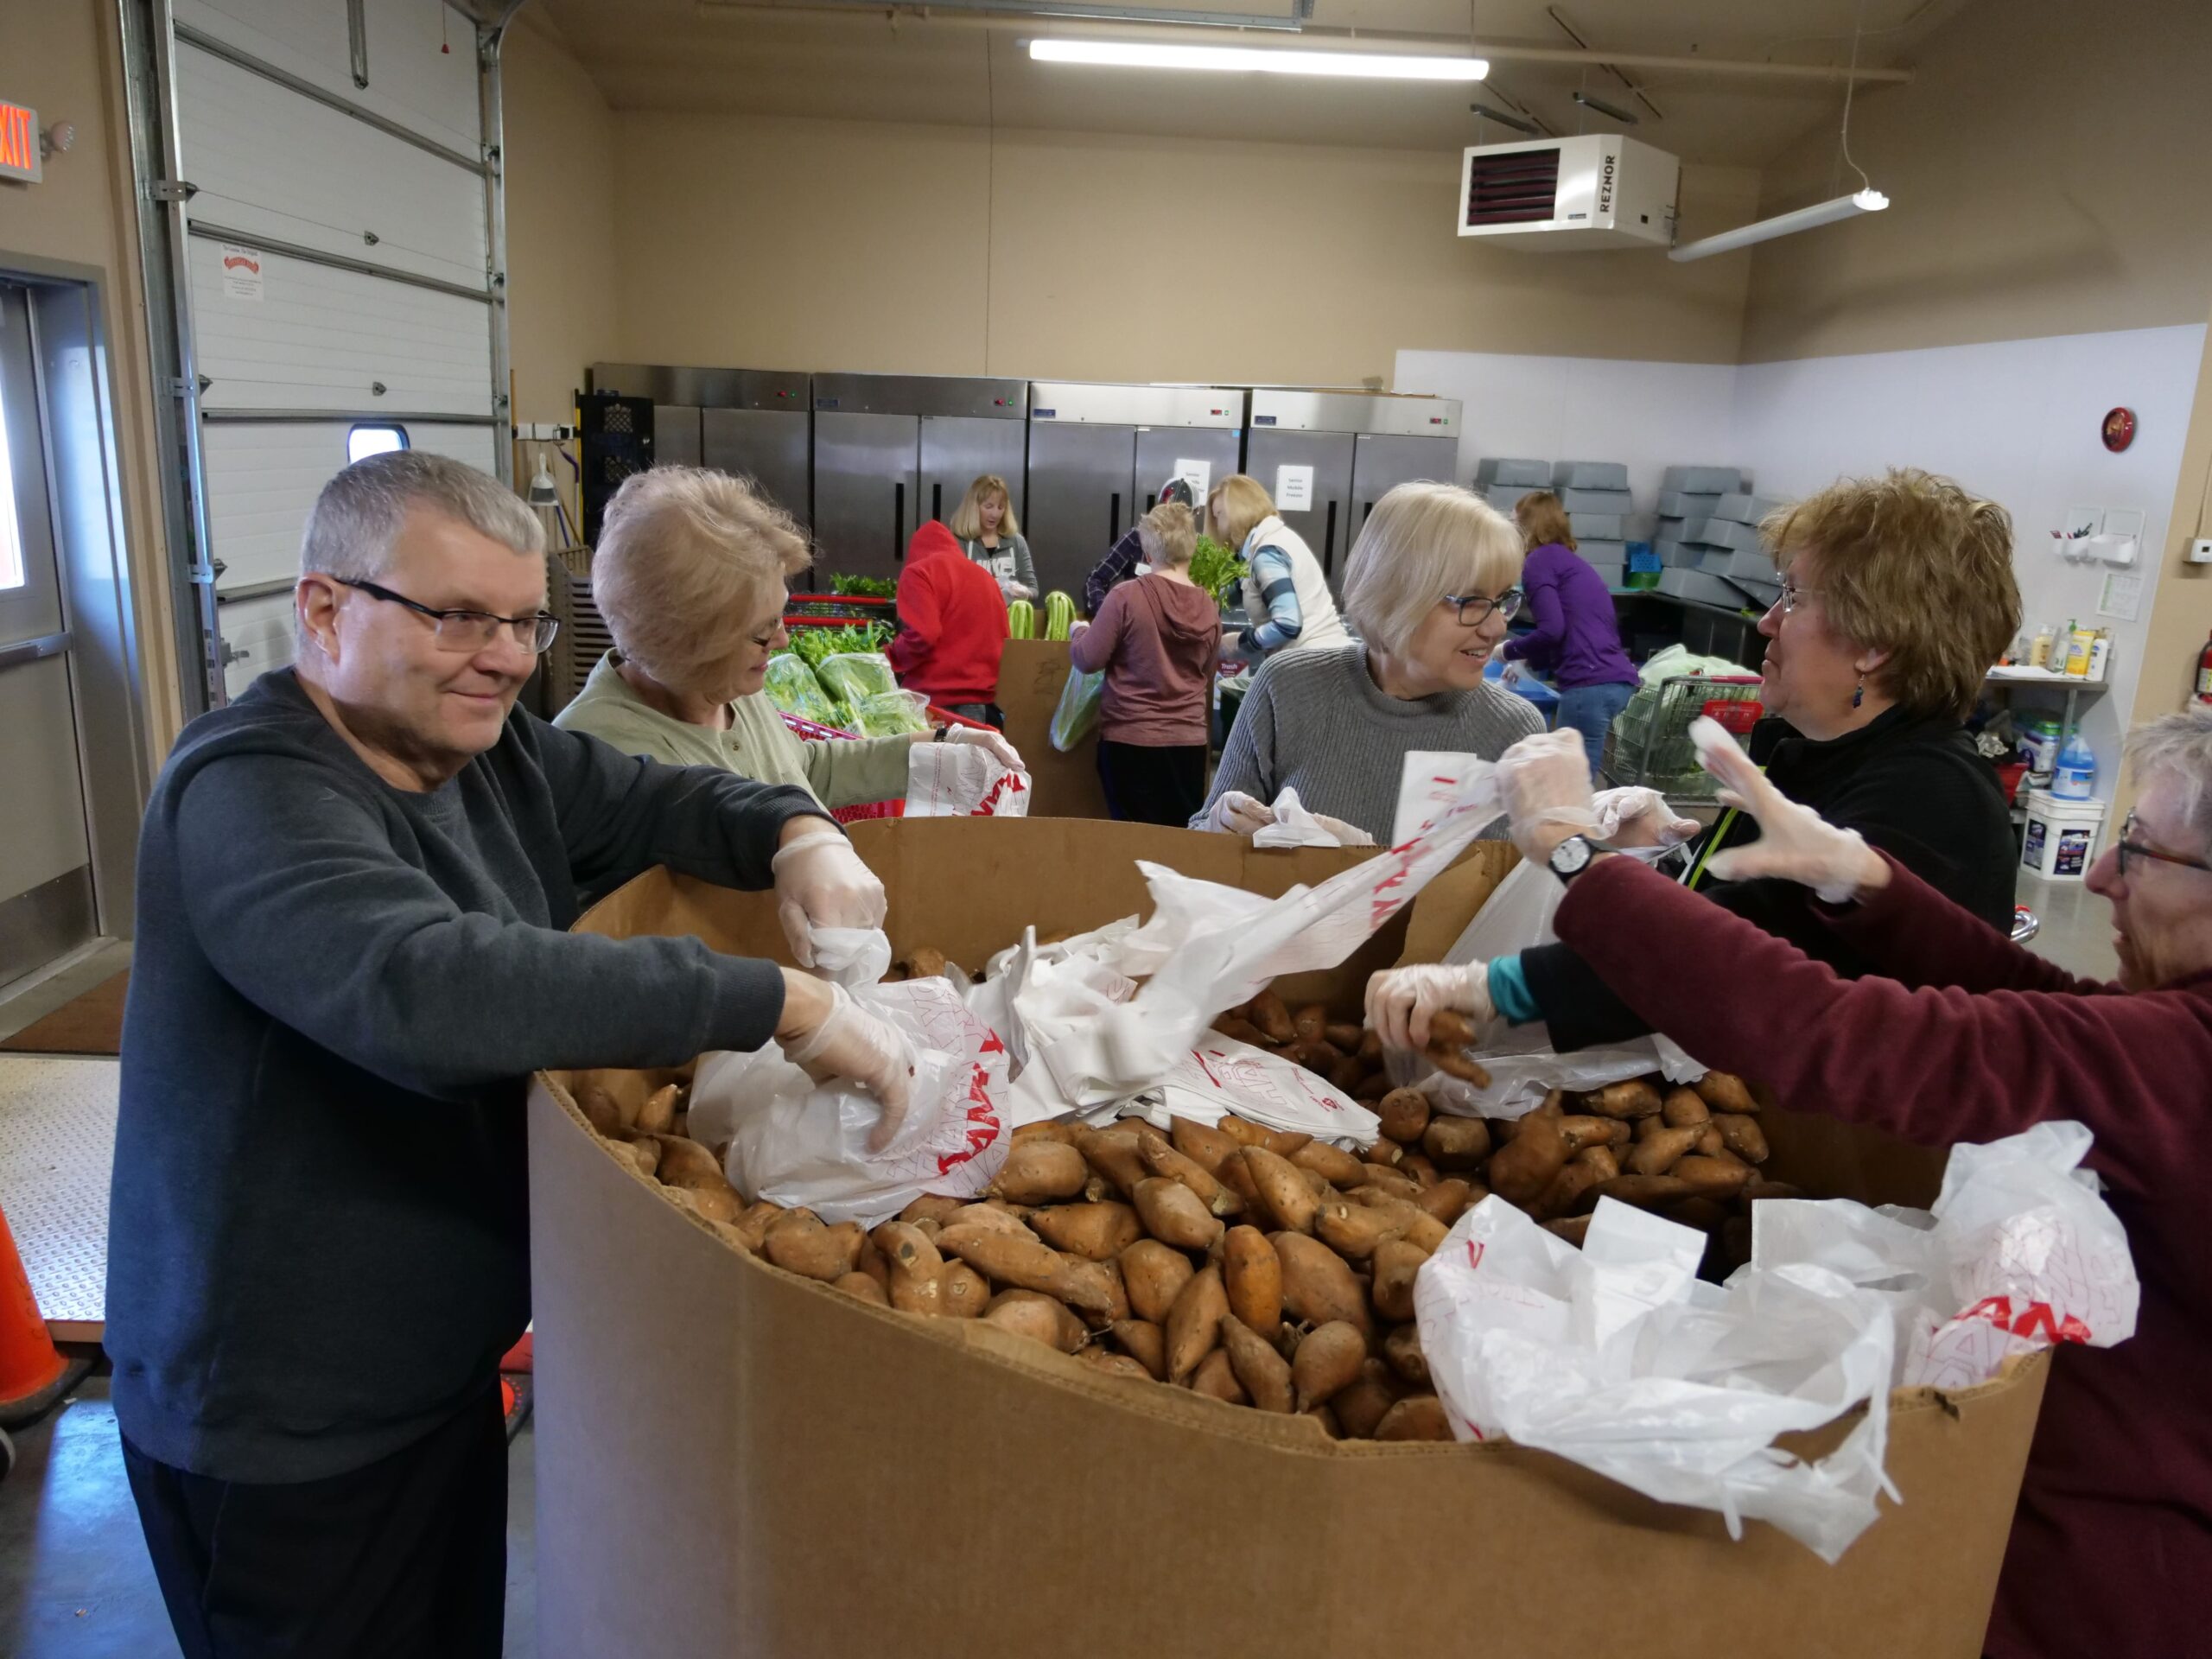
{"points": [[11, 541], [366, 441]]}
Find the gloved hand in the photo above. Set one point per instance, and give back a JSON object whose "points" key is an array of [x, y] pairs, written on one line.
{"points": [[1796, 843], [1237, 813], [1347, 834], [1016, 590], [1401, 1001], [1546, 781], [1639, 817], [1077, 628], [821, 882], [826, 1034], [1512, 674], [983, 737]]}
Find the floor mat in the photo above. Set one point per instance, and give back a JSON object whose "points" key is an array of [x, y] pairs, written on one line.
{"points": [[91, 1024]]}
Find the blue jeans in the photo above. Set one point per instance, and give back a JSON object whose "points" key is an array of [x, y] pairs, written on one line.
{"points": [[1590, 709]]}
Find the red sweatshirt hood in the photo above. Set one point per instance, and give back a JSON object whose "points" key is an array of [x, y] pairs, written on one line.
{"points": [[930, 540]]}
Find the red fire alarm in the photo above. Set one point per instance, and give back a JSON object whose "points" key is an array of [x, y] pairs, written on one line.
{"points": [[2119, 429]]}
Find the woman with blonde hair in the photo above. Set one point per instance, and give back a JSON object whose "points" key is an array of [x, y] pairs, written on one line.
{"points": [[1434, 578], [1287, 604], [990, 535], [689, 574], [1577, 639]]}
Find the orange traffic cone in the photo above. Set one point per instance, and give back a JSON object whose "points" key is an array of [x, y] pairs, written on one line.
{"points": [[32, 1371]]}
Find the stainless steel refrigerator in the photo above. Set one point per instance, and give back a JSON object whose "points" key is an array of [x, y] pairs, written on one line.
{"points": [[752, 423], [1328, 457], [1099, 454]]}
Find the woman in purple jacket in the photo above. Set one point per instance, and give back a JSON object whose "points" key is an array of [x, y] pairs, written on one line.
{"points": [[1575, 638]]}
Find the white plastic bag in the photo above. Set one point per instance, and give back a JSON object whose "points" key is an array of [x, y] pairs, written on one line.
{"points": [[1296, 827], [1221, 1075], [798, 1143], [851, 956], [962, 780]]}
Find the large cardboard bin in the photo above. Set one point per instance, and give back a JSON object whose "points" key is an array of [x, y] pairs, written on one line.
{"points": [[732, 1461]]}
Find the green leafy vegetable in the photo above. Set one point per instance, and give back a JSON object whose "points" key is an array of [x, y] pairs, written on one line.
{"points": [[1216, 568], [816, 644], [889, 713], [792, 688], [872, 587], [856, 676]]}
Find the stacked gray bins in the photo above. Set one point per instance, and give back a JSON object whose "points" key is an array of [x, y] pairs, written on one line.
{"points": [[1503, 479], [751, 422], [1346, 450], [893, 451], [1745, 563], [1688, 496], [1099, 454], [1595, 495]]}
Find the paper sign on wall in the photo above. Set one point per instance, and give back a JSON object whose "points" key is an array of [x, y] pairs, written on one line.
{"points": [[1199, 475], [1293, 489], [241, 273], [2122, 599]]}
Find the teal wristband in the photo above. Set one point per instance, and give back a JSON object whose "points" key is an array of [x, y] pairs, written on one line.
{"points": [[1509, 994]]}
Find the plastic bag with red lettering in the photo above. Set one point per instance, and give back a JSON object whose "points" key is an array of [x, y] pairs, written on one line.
{"points": [[797, 1142], [964, 780]]}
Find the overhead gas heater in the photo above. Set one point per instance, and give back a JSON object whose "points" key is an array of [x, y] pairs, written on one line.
{"points": [[1597, 191], [1264, 61]]}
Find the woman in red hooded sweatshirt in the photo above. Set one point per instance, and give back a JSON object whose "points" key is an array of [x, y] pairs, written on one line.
{"points": [[952, 628]]}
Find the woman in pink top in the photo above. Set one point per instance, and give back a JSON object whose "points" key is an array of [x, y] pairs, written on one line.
{"points": [[1157, 639]]}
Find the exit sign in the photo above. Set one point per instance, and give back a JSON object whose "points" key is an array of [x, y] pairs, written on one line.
{"points": [[19, 157]]}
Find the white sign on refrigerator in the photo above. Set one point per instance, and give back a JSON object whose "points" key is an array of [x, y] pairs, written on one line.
{"points": [[1293, 489], [1199, 475]]}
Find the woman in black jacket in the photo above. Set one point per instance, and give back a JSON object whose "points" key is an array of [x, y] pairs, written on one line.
{"points": [[1898, 595]]}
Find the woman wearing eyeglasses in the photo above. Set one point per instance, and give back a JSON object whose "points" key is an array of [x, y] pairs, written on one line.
{"points": [[689, 573], [1431, 586], [1577, 637], [1898, 595]]}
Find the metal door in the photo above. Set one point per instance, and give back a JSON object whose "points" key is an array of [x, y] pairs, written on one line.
{"points": [[675, 436], [1383, 460], [1082, 498], [47, 906], [1161, 451], [767, 446], [957, 450], [1324, 524], [867, 486]]}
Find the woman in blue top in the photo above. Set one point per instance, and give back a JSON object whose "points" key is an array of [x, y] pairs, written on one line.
{"points": [[1575, 638]]}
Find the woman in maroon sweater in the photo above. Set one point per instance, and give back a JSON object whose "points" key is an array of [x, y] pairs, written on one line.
{"points": [[1970, 1039]]}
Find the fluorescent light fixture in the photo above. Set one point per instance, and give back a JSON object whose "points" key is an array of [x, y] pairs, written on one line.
{"points": [[1503, 120], [1805, 218], [1599, 105], [1250, 60]]}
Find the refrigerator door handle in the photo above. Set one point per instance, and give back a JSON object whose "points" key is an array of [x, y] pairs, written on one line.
{"points": [[1114, 520], [1329, 540], [936, 501], [898, 522]]}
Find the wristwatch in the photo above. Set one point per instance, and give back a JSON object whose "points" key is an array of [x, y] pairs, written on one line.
{"points": [[1571, 857]]}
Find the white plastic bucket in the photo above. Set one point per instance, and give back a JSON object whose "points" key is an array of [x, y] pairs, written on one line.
{"points": [[2060, 841]]}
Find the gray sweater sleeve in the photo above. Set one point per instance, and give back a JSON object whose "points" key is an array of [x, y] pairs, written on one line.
{"points": [[1247, 758], [1024, 568], [297, 896]]}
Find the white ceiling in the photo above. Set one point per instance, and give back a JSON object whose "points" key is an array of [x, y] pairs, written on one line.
{"points": [[856, 63]]}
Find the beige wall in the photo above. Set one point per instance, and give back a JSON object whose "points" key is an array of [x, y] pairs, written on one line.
{"points": [[2045, 171], [792, 244], [2180, 621], [561, 194], [62, 58]]}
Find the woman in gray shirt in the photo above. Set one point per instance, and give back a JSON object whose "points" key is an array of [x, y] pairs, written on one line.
{"points": [[990, 535]]}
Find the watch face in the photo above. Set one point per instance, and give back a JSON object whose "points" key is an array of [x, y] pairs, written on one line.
{"points": [[1570, 855]]}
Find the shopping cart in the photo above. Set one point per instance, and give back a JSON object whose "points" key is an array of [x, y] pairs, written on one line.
{"points": [[847, 609], [808, 729], [1650, 741]]}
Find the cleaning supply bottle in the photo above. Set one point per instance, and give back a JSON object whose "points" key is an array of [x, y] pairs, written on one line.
{"points": [[2076, 777], [2204, 673]]}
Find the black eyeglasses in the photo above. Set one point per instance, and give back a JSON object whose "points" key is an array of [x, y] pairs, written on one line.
{"points": [[460, 630], [2130, 848], [1475, 609]]}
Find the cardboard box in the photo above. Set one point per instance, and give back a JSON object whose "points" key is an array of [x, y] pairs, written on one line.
{"points": [[733, 1461], [1031, 675]]}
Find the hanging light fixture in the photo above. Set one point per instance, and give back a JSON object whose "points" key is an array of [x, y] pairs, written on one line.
{"points": [[1805, 218], [1248, 60]]}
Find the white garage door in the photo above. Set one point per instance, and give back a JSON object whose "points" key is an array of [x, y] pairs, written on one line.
{"points": [[337, 270]]}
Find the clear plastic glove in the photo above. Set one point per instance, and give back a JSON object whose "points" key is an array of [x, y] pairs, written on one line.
{"points": [[1512, 675], [1077, 628], [1796, 843], [1237, 813], [1016, 590], [1639, 817], [1347, 834], [849, 1042], [821, 882], [1546, 780], [1401, 1001], [983, 737]]}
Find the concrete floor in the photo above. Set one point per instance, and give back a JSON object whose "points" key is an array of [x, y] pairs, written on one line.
{"points": [[75, 1582]]}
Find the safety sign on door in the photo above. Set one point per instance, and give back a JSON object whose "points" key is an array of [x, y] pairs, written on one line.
{"points": [[1293, 489], [241, 273]]}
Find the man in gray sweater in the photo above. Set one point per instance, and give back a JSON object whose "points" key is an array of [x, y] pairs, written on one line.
{"points": [[355, 885]]}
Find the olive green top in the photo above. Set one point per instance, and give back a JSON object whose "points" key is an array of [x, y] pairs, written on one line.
{"points": [[758, 744]]}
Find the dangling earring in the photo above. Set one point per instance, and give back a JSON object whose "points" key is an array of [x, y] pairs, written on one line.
{"points": [[1859, 695]]}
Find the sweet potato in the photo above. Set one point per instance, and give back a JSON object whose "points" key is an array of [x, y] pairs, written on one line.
{"points": [[1355, 1231], [1391, 1182], [1096, 1232], [1309, 1024], [1328, 1361], [1710, 1142], [1193, 1324], [599, 1108], [1416, 1417], [1742, 1136], [1572, 1229], [1332, 1163], [1271, 1016], [991, 1219], [1348, 1074], [1162, 1159], [1645, 1190], [1113, 1364], [1038, 1171], [1573, 1188], [1456, 1142], [925, 962], [803, 1245], [1417, 1167], [1237, 1028], [1401, 1348], [1251, 1274], [1027, 1263], [1601, 1158], [966, 1292], [1585, 1129], [1635, 1098], [643, 1156], [1682, 1108], [1317, 1284], [1154, 1275], [1327, 1420], [1319, 1055], [1216, 1378], [1202, 1143], [1284, 1194], [1145, 1342], [1726, 1092], [1050, 1129], [917, 1268], [1714, 1178], [1659, 1152], [714, 1202], [1173, 1214], [685, 1162], [861, 1287], [1396, 1263], [1704, 1214], [657, 1114], [1522, 1168], [1447, 1200], [1362, 1403], [932, 1208], [1760, 1187], [1263, 1373], [1116, 1155], [1386, 1152], [1041, 1318]]}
